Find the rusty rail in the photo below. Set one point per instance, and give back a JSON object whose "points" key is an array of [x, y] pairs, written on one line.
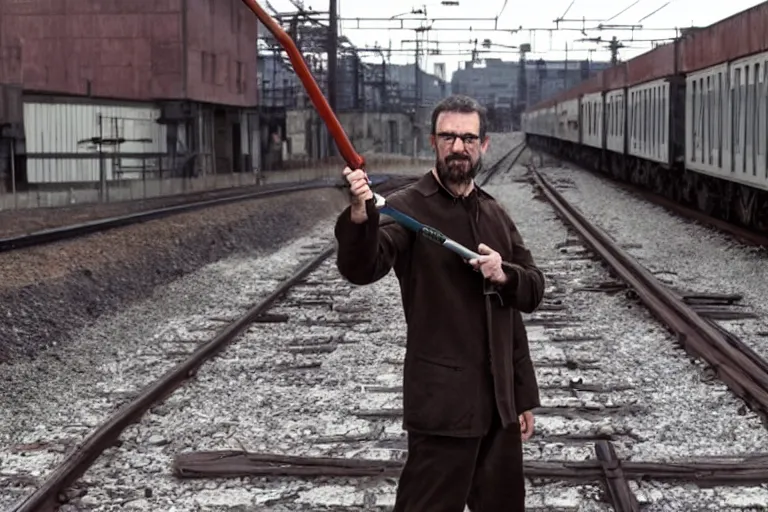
{"points": [[616, 483], [745, 376]]}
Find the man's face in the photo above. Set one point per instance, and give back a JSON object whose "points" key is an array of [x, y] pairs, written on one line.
{"points": [[458, 147]]}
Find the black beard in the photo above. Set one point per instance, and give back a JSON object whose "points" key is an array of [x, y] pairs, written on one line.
{"points": [[451, 170]]}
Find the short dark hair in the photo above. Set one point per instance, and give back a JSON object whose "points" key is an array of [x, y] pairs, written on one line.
{"points": [[463, 104]]}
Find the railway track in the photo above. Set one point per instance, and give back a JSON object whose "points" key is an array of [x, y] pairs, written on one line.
{"points": [[185, 356], [50, 235], [738, 232], [312, 389], [507, 160], [597, 413]]}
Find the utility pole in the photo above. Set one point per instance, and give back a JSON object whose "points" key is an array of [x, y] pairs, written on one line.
{"points": [[417, 77], [614, 45], [333, 41], [522, 84]]}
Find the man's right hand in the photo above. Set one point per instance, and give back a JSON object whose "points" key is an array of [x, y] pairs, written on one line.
{"points": [[361, 192]]}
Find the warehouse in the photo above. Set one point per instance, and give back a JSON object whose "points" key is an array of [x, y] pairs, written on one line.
{"points": [[98, 92]]}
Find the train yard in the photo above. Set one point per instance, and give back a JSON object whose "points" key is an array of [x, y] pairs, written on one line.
{"points": [[302, 410]]}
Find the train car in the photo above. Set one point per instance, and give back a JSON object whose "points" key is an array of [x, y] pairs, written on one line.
{"points": [[688, 120]]}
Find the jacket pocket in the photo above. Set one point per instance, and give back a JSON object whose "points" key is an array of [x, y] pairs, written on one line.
{"points": [[443, 363], [438, 395]]}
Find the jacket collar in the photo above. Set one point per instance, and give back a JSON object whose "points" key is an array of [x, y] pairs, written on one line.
{"points": [[428, 185]]}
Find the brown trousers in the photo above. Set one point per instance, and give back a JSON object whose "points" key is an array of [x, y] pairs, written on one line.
{"points": [[443, 474]]}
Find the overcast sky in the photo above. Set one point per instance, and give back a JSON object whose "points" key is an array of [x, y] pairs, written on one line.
{"points": [[546, 44]]}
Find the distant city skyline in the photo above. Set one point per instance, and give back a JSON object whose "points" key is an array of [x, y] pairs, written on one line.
{"points": [[653, 15]]}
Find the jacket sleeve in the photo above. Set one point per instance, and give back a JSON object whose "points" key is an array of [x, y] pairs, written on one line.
{"points": [[366, 252], [526, 387], [524, 289]]}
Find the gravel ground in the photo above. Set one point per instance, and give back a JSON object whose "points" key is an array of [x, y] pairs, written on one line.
{"points": [[266, 393], [688, 256], [46, 292]]}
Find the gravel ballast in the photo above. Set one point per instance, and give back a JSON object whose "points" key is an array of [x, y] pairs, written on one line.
{"points": [[685, 255], [46, 292], [333, 369]]}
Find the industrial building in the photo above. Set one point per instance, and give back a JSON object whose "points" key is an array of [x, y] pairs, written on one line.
{"points": [[496, 84], [102, 91], [378, 103]]}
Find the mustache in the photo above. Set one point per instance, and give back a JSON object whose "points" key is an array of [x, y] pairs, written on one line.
{"points": [[456, 158]]}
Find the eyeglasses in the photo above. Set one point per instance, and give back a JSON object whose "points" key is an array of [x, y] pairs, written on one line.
{"points": [[448, 139]]}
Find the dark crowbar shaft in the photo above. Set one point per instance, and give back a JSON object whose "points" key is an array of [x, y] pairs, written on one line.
{"points": [[347, 150]]}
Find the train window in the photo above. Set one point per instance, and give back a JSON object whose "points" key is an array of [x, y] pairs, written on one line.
{"points": [[692, 116], [635, 117], [735, 104], [706, 122], [597, 118], [753, 115], [622, 115], [647, 142], [663, 126], [762, 122], [700, 121], [646, 118], [719, 119], [747, 101], [652, 128], [656, 120], [638, 118], [641, 119]]}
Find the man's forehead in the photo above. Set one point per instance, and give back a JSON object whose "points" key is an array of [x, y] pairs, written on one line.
{"points": [[458, 122]]}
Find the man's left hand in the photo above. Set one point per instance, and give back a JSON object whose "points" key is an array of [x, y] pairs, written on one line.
{"points": [[526, 425], [489, 263]]}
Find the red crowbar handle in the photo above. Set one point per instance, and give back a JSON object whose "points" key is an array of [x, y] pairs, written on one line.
{"points": [[354, 161]]}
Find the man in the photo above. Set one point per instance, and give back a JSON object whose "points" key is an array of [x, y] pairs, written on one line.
{"points": [[467, 374]]}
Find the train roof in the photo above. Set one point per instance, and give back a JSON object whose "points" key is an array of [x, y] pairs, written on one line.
{"points": [[739, 35]]}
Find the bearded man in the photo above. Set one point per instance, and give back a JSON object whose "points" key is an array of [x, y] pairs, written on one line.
{"points": [[469, 384]]}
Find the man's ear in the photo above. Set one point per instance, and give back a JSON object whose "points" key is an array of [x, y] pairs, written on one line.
{"points": [[432, 142], [486, 142]]}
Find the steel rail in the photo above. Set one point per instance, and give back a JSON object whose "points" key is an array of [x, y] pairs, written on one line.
{"points": [[502, 161], [46, 497], [51, 235], [743, 375]]}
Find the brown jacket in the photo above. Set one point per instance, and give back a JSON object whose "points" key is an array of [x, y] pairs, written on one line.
{"points": [[466, 342]]}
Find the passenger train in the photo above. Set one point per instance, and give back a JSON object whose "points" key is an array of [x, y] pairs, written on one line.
{"points": [[688, 120]]}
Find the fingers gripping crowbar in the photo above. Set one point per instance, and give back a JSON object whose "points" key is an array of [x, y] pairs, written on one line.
{"points": [[353, 159]]}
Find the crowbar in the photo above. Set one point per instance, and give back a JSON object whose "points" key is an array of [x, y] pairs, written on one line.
{"points": [[353, 159]]}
